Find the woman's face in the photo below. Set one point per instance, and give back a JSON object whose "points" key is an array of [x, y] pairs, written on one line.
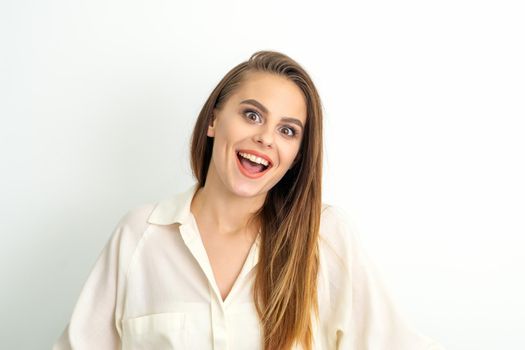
{"points": [[257, 134]]}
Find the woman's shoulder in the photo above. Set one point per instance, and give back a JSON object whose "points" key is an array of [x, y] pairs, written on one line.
{"points": [[137, 216], [174, 208], [132, 225], [337, 224], [338, 236]]}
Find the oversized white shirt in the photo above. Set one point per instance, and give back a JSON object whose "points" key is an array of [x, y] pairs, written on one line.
{"points": [[153, 288]]}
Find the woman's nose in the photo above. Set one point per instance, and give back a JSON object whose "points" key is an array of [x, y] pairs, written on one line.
{"points": [[265, 137]]}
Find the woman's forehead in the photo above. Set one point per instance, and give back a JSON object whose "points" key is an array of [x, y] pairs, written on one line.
{"points": [[272, 94]]}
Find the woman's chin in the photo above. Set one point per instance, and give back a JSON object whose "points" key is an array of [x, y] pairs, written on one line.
{"points": [[248, 190]]}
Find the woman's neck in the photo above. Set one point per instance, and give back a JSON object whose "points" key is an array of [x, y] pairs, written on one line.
{"points": [[215, 206]]}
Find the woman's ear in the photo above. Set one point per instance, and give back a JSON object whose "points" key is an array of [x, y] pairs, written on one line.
{"points": [[211, 127]]}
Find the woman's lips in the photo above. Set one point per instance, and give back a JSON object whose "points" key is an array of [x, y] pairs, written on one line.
{"points": [[246, 173], [257, 154]]}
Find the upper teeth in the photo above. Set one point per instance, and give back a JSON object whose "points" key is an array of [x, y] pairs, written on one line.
{"points": [[254, 159]]}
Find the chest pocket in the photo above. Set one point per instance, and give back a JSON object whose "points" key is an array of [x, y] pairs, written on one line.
{"points": [[164, 331]]}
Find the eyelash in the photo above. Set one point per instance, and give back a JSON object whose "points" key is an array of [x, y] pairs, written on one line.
{"points": [[291, 128]]}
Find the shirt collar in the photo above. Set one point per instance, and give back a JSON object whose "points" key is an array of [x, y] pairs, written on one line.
{"points": [[175, 209]]}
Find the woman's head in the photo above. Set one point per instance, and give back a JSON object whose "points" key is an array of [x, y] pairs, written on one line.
{"points": [[233, 120], [266, 106], [256, 135]]}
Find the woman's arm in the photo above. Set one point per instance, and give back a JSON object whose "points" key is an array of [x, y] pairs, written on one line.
{"points": [[95, 321], [367, 319], [92, 324]]}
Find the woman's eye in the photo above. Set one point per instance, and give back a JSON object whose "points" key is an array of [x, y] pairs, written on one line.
{"points": [[252, 116], [288, 131]]}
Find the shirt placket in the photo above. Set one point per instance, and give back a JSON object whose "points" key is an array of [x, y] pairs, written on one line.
{"points": [[190, 235], [218, 307], [218, 321]]}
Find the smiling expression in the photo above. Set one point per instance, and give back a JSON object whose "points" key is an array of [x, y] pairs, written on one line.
{"points": [[257, 134]]}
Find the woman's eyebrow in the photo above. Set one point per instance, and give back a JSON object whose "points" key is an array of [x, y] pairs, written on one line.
{"points": [[256, 104], [265, 110], [293, 121]]}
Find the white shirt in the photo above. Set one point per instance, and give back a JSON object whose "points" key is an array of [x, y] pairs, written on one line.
{"points": [[153, 287]]}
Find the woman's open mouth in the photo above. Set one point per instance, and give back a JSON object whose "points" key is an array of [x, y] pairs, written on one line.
{"points": [[251, 165]]}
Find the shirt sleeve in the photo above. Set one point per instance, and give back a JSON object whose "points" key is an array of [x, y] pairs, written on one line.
{"points": [[367, 318], [95, 321]]}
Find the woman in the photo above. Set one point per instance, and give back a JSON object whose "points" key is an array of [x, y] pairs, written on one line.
{"points": [[248, 258]]}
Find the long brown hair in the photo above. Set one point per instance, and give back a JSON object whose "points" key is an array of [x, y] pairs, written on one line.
{"points": [[285, 288]]}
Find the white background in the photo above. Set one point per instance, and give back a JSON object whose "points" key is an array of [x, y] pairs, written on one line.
{"points": [[424, 136]]}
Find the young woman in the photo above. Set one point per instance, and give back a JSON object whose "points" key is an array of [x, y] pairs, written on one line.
{"points": [[248, 257]]}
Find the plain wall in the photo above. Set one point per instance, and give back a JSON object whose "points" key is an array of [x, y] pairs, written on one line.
{"points": [[424, 142]]}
